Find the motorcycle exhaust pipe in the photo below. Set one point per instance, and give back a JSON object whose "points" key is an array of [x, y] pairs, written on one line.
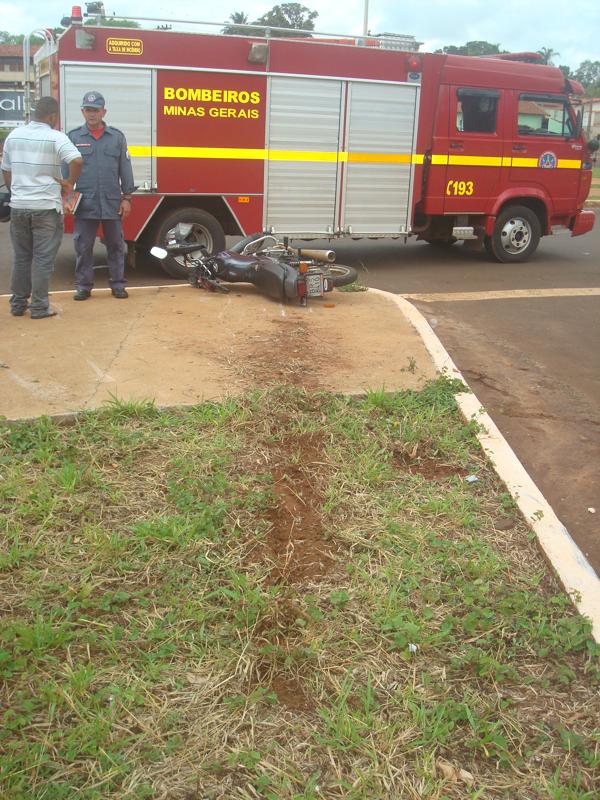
{"points": [[327, 256]]}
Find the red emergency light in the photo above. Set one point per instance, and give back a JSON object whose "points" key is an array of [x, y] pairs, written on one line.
{"points": [[76, 15], [413, 64]]}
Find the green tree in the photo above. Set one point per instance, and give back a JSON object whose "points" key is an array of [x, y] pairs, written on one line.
{"points": [[239, 19], [566, 70], [548, 54], [475, 48], [112, 22], [588, 74], [17, 38], [289, 15]]}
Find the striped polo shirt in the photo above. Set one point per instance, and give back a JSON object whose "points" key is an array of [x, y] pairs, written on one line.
{"points": [[33, 154]]}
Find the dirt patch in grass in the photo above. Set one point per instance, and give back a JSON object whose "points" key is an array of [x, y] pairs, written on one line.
{"points": [[292, 694], [430, 468], [286, 595], [293, 353], [296, 543]]}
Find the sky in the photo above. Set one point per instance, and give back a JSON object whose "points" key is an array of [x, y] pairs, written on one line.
{"points": [[572, 29]]}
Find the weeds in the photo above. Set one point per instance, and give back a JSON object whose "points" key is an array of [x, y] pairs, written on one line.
{"points": [[288, 595]]}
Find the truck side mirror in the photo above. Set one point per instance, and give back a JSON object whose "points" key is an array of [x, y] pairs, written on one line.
{"points": [[593, 145]]}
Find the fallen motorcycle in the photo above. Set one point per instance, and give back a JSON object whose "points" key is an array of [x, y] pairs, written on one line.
{"points": [[278, 270]]}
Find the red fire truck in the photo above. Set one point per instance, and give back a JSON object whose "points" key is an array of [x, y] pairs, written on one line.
{"points": [[312, 139]]}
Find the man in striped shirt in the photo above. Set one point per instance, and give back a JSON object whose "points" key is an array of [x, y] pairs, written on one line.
{"points": [[31, 165]]}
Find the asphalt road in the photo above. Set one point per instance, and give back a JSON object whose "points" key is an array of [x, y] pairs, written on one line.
{"points": [[526, 337]]}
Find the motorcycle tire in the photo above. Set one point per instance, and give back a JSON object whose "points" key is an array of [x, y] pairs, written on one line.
{"points": [[340, 275]]}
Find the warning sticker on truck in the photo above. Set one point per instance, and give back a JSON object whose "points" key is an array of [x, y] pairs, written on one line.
{"points": [[128, 47]]}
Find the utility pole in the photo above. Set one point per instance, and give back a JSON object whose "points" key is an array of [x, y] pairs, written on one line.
{"points": [[366, 19]]}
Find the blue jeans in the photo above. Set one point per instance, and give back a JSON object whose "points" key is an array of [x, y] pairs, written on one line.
{"points": [[36, 237]]}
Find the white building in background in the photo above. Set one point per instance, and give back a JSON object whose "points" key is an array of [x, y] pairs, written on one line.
{"points": [[11, 84], [591, 116]]}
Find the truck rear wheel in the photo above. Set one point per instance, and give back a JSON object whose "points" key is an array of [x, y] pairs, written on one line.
{"points": [[205, 230], [516, 235]]}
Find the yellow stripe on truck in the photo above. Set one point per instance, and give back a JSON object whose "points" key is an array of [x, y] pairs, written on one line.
{"points": [[302, 155], [380, 158], [198, 152], [524, 162], [474, 161], [259, 154], [568, 163]]}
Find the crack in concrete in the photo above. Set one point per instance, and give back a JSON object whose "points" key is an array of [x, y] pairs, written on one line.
{"points": [[132, 324]]}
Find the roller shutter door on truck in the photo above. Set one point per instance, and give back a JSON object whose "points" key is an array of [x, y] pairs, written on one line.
{"points": [[380, 137], [129, 107], [303, 139], [340, 156]]}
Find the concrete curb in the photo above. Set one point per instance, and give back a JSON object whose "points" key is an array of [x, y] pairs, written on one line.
{"points": [[566, 559]]}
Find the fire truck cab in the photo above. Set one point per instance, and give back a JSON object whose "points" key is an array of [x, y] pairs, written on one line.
{"points": [[313, 139]]}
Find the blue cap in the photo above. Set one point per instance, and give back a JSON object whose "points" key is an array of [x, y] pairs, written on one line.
{"points": [[92, 100]]}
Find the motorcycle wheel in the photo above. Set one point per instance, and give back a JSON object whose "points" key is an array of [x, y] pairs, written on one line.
{"points": [[340, 275], [206, 231]]}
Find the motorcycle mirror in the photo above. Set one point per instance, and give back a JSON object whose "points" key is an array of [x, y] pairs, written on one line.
{"points": [[159, 252]]}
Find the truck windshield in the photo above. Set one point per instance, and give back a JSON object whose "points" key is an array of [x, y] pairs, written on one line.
{"points": [[544, 115]]}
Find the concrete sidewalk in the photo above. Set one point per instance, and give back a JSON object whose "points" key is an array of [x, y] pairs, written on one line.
{"points": [[179, 346]]}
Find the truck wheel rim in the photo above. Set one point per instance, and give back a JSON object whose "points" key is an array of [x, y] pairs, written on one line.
{"points": [[198, 234], [515, 236]]}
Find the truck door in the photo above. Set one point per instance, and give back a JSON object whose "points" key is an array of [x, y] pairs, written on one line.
{"points": [[475, 145], [544, 154], [128, 94], [339, 156], [378, 175], [303, 142]]}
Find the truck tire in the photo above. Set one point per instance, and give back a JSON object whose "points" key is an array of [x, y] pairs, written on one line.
{"points": [[516, 235], [206, 231]]}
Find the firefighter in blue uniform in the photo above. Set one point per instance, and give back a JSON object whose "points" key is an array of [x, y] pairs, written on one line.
{"points": [[105, 184]]}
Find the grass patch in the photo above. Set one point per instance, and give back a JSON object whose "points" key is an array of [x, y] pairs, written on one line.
{"points": [[287, 595]]}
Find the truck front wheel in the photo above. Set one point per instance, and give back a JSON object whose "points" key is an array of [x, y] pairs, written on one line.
{"points": [[516, 235], [205, 230]]}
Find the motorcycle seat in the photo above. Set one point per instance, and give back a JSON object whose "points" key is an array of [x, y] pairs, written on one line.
{"points": [[235, 261]]}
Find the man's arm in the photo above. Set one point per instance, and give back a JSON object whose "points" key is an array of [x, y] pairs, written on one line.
{"points": [[126, 178], [68, 152], [7, 175], [75, 166]]}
